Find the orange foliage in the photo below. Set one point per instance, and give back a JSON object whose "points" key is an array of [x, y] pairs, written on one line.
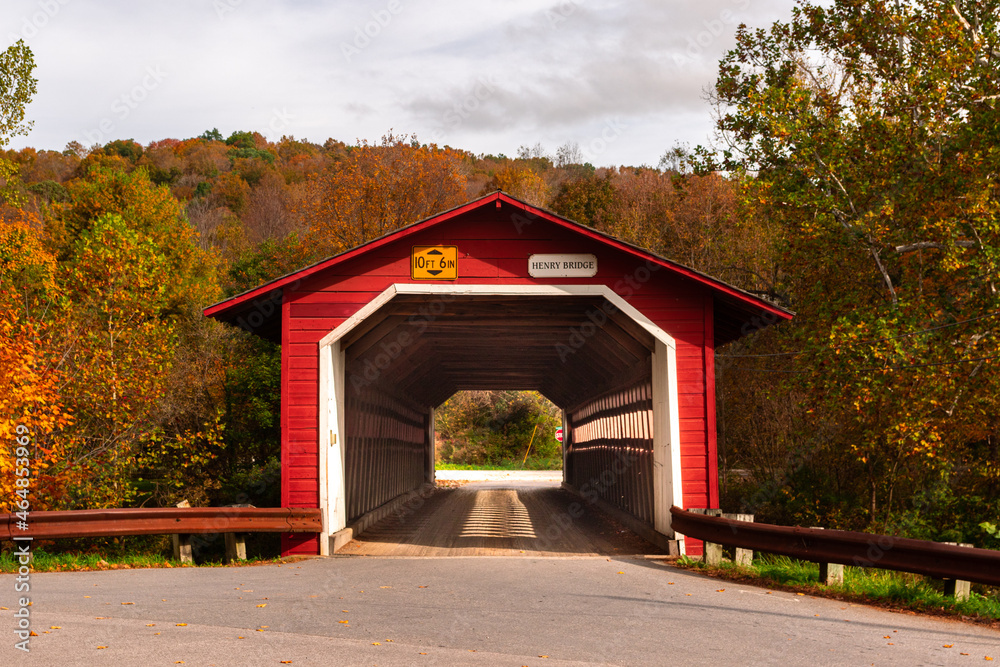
{"points": [[520, 181], [30, 403], [378, 188]]}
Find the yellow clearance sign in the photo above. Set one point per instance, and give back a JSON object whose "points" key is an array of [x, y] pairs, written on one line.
{"points": [[434, 262]]}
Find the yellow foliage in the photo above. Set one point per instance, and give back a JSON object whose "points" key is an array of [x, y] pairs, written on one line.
{"points": [[375, 189]]}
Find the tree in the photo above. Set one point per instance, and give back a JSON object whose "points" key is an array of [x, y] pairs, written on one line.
{"points": [[378, 188], [30, 399], [521, 181], [17, 87], [872, 131]]}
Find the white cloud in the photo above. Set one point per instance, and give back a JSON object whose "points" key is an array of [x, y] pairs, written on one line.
{"points": [[486, 77]]}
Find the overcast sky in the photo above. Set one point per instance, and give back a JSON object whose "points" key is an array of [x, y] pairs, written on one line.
{"points": [[624, 79]]}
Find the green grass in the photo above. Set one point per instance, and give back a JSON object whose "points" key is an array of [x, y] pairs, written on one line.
{"points": [[551, 463], [899, 590], [43, 561]]}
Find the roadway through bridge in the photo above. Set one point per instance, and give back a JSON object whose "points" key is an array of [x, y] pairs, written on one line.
{"points": [[499, 518]]}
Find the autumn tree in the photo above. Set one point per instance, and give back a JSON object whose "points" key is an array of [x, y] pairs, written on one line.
{"points": [[520, 180], [377, 188], [872, 132]]}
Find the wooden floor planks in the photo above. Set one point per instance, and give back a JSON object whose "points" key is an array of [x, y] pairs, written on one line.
{"points": [[496, 519]]}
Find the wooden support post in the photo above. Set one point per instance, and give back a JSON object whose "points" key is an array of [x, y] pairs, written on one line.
{"points": [[182, 548], [236, 547], [182, 543], [831, 573], [741, 556], [957, 588], [712, 553]]}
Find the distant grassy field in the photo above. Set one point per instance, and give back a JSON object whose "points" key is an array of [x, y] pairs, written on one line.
{"points": [[553, 463]]}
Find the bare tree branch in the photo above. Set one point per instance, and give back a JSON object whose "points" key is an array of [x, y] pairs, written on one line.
{"points": [[933, 245]]}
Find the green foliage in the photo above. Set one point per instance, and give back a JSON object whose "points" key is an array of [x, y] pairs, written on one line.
{"points": [[17, 87], [126, 148], [50, 191], [872, 130], [241, 140], [211, 135], [496, 427]]}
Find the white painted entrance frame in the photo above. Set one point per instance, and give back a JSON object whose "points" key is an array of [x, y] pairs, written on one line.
{"points": [[667, 489]]}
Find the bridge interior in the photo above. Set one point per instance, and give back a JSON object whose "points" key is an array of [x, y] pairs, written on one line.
{"points": [[580, 351], [511, 518]]}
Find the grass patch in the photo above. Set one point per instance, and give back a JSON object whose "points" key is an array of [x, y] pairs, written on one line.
{"points": [[550, 463], [69, 561], [884, 588]]}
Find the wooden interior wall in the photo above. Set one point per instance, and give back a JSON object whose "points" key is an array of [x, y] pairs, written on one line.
{"points": [[385, 449], [611, 448]]}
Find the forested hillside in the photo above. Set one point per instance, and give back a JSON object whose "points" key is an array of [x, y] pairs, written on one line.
{"points": [[857, 188]]}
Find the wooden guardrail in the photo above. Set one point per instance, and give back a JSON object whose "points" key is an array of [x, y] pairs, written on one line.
{"points": [[161, 521], [932, 559]]}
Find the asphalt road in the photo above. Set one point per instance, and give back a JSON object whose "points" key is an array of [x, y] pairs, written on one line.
{"points": [[460, 611]]}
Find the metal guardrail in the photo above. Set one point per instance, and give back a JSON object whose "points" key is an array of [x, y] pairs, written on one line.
{"points": [[933, 559], [161, 521]]}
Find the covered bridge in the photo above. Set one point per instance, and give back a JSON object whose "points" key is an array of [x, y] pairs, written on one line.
{"points": [[496, 294]]}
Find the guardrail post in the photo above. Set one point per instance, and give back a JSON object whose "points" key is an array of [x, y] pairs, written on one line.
{"points": [[741, 556], [712, 553], [182, 548], [236, 547], [182, 543], [956, 588], [830, 573], [236, 544]]}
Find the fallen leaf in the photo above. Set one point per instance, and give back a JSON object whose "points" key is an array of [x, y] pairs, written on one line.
{"points": [[543, 656], [260, 629], [149, 625], [55, 627], [86, 596], [946, 645], [343, 621], [620, 572], [100, 647], [376, 643], [421, 587], [262, 605], [385, 586], [720, 590], [423, 654], [128, 603], [670, 583], [32, 634], [181, 625], [344, 611], [238, 637], [286, 662], [800, 593]]}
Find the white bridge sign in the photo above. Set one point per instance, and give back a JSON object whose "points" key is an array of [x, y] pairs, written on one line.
{"points": [[562, 266]]}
